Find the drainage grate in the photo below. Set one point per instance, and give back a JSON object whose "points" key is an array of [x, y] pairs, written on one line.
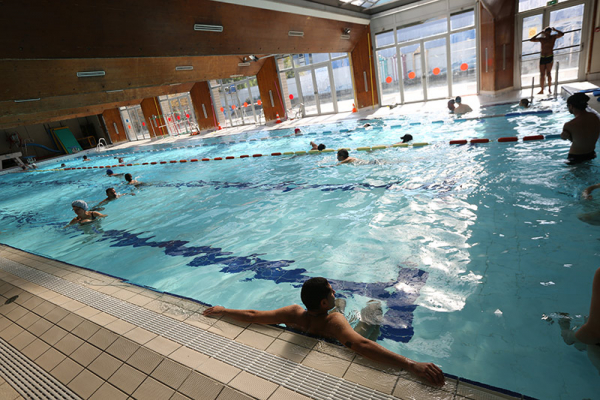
{"points": [[27, 378], [294, 376]]}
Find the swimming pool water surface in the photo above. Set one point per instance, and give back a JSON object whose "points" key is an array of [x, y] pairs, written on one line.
{"points": [[472, 250]]}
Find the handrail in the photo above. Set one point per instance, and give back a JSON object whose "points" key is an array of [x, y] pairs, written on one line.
{"points": [[560, 48]]}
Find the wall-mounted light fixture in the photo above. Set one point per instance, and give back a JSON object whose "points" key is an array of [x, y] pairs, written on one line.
{"points": [[175, 84], [89, 74], [208, 28], [114, 91], [184, 68], [346, 31], [253, 58], [296, 33], [25, 100], [244, 64], [235, 76], [345, 37]]}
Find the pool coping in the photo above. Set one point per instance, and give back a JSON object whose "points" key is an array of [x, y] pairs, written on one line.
{"points": [[318, 355]]}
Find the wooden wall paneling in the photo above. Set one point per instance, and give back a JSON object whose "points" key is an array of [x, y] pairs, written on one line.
{"points": [[363, 61], [200, 94], [154, 117], [124, 29], [268, 81], [497, 36], [62, 107], [114, 125], [32, 79]]}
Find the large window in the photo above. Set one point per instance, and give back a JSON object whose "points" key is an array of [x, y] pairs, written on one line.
{"points": [[430, 59], [178, 114], [237, 101], [135, 123], [318, 83]]}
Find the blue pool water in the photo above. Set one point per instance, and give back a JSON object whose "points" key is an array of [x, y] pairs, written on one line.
{"points": [[472, 250]]}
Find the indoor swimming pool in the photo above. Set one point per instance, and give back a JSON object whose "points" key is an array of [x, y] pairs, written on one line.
{"points": [[474, 251]]}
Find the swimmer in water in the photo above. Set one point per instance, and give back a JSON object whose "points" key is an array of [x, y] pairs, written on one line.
{"points": [[461, 108], [320, 147], [111, 174], [85, 158], [111, 194], [451, 106], [524, 103], [582, 131], [405, 139], [84, 216], [319, 298], [344, 158], [131, 181], [589, 333]]}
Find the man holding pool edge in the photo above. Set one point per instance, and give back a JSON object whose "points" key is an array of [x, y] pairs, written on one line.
{"points": [[318, 297]]}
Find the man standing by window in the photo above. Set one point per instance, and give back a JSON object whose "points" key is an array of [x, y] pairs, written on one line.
{"points": [[547, 40]]}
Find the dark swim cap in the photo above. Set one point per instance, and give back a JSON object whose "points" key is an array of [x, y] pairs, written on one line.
{"points": [[109, 172], [578, 100]]}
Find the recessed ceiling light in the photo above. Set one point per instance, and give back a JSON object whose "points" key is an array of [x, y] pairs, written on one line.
{"points": [[114, 91], [244, 64], [184, 68], [89, 74], [296, 33], [25, 100]]}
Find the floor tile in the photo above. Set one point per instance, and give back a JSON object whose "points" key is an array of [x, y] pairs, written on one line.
{"points": [[371, 378], [11, 331], [16, 313], [226, 329], [151, 389], [218, 370], [188, 357], [253, 385], [28, 319], [22, 340], [120, 327], [87, 312], [39, 327], [122, 348], [105, 365], [288, 350], [66, 370], [56, 315], [68, 344], [103, 338], [102, 318], [108, 392], [231, 394], [171, 373], [266, 330], [145, 360], [326, 363], [162, 346], [53, 335], [254, 339], [85, 354], [127, 379], [85, 330], [298, 339], [44, 308], [70, 322], [35, 349], [8, 393], [198, 386], [140, 335], [85, 384]]}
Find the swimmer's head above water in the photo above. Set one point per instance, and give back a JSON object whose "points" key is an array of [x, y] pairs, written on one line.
{"points": [[406, 138], [109, 172], [128, 177], [342, 154], [317, 295], [111, 193], [578, 101], [79, 206], [524, 103]]}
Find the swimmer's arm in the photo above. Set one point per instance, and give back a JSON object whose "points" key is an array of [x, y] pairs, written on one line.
{"points": [[282, 315], [73, 221], [342, 331], [589, 333], [559, 33], [587, 193], [565, 134], [98, 215]]}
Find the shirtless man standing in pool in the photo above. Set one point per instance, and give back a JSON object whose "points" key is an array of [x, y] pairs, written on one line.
{"points": [[318, 297], [547, 41], [583, 130]]}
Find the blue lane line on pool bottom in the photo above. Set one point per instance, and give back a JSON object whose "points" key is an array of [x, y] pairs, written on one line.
{"points": [[397, 320]]}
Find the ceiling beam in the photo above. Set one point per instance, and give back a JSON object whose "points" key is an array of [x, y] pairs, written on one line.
{"points": [[59, 108], [32, 79], [40, 29]]}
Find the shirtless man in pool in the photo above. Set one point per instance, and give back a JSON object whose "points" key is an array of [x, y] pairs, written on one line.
{"points": [[318, 297], [583, 130]]}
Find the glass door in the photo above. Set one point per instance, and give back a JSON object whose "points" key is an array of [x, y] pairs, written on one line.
{"points": [[412, 72], [309, 94], [325, 94], [567, 18], [436, 69]]}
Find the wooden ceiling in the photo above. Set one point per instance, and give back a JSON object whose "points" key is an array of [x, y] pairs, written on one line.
{"points": [[138, 46]]}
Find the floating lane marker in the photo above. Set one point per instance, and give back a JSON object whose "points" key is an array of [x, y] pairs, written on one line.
{"points": [[256, 155], [328, 151], [415, 123], [299, 152], [208, 159], [244, 156], [275, 154], [533, 137], [287, 153], [378, 147], [508, 139], [480, 140], [194, 160], [217, 158], [458, 142], [553, 136], [229, 158], [420, 144], [437, 122], [400, 145], [395, 126], [363, 148], [313, 152]]}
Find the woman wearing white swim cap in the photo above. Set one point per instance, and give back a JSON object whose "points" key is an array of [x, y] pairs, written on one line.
{"points": [[84, 216]]}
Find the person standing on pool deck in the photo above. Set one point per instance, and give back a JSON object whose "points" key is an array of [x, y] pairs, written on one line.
{"points": [[582, 131], [318, 297], [547, 41], [84, 216]]}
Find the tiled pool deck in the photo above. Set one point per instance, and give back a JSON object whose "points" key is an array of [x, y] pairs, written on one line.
{"points": [[99, 356]]}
